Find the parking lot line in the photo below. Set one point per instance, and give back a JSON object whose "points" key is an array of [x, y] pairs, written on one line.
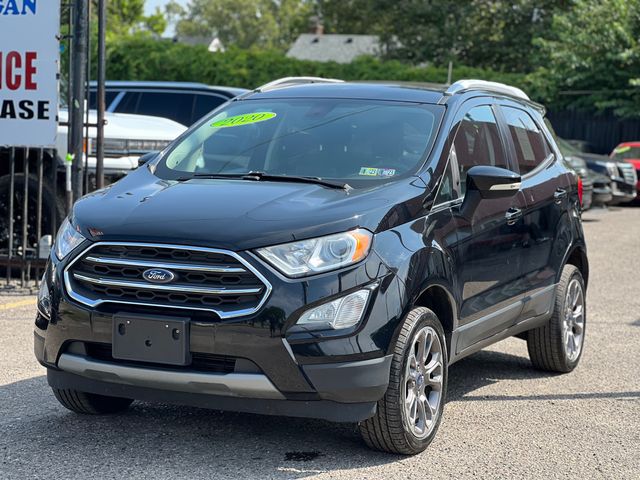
{"points": [[20, 303]]}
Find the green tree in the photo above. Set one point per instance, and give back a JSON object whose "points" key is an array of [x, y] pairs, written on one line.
{"points": [[244, 23], [593, 57]]}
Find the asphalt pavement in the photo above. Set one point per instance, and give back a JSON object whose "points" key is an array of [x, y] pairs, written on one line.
{"points": [[503, 419]]}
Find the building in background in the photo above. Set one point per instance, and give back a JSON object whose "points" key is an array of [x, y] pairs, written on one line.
{"points": [[333, 47]]}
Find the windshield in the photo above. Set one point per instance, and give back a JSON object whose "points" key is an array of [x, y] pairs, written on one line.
{"points": [[626, 152], [355, 141]]}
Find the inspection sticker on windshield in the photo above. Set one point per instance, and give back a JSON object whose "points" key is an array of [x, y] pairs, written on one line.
{"points": [[245, 119], [377, 172]]}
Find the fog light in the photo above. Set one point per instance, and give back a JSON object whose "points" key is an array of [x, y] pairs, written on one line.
{"points": [[44, 301], [344, 312]]}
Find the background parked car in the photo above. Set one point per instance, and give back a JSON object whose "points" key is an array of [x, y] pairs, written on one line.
{"points": [[596, 187], [126, 138], [181, 102], [629, 152], [622, 175]]}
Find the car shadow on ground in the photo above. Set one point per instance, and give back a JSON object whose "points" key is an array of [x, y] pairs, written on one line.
{"points": [[158, 440]]}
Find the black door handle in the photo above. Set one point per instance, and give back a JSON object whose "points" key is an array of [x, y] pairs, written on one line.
{"points": [[513, 215], [559, 194]]}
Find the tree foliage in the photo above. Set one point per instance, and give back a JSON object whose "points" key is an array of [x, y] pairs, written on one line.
{"points": [[565, 53], [592, 57], [244, 23]]}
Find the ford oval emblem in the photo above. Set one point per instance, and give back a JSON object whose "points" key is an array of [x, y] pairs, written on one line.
{"points": [[158, 275]]}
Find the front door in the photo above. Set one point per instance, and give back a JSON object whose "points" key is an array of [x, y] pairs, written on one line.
{"points": [[491, 236]]}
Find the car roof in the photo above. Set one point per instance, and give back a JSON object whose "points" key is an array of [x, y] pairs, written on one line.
{"points": [[170, 86], [419, 93]]}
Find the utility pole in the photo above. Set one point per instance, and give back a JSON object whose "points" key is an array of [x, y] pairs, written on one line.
{"points": [[102, 25], [76, 107]]}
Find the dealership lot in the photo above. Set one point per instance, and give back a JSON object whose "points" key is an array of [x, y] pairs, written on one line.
{"points": [[503, 418]]}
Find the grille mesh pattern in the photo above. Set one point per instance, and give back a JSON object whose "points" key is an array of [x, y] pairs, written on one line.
{"points": [[204, 280]]}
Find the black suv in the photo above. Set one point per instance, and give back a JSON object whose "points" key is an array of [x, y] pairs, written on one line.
{"points": [[322, 249], [182, 102]]}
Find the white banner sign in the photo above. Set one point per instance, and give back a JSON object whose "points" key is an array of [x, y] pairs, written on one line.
{"points": [[29, 56]]}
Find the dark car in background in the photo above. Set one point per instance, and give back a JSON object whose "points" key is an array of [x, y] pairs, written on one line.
{"points": [[621, 174], [181, 102], [596, 187]]}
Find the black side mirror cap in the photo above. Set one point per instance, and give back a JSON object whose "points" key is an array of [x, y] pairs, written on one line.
{"points": [[146, 157], [493, 182]]}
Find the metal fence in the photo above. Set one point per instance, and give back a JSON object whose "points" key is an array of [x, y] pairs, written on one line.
{"points": [[601, 132], [30, 211]]}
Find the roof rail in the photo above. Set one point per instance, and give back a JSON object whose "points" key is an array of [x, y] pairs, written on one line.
{"points": [[465, 85], [290, 81]]}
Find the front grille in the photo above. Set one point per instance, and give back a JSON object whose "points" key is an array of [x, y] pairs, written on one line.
{"points": [[628, 172], [200, 362], [204, 278]]}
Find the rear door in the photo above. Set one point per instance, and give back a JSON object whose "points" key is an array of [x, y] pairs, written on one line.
{"points": [[546, 186], [491, 234]]}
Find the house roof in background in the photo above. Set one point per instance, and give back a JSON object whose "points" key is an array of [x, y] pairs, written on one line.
{"points": [[333, 47]]}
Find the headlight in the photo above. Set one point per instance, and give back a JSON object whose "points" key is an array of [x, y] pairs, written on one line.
{"points": [[344, 312], [612, 168], [67, 239], [317, 255]]}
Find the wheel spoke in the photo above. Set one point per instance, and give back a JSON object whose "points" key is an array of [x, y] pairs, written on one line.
{"points": [[423, 382], [422, 343]]}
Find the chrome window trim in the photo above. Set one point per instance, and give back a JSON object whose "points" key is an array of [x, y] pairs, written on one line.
{"points": [[222, 314]]}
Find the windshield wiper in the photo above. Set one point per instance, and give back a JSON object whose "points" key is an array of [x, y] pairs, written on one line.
{"points": [[258, 176], [211, 175]]}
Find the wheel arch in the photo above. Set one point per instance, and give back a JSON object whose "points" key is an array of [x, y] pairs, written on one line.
{"points": [[577, 256], [439, 300]]}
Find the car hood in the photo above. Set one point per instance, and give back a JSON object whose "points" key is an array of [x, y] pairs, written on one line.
{"points": [[239, 214]]}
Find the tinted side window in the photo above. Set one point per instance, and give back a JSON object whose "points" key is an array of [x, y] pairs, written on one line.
{"points": [[109, 97], [446, 190], [204, 104], [175, 106], [129, 103], [531, 146], [477, 142]]}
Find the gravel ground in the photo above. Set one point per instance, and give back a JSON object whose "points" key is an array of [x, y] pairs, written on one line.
{"points": [[503, 419]]}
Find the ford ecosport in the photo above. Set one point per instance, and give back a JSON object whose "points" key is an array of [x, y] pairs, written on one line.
{"points": [[323, 249]]}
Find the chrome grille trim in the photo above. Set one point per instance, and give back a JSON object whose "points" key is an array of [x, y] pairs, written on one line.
{"points": [[169, 265], [628, 172], [221, 313], [169, 288]]}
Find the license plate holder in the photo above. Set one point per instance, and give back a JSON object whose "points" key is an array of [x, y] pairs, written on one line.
{"points": [[151, 339]]}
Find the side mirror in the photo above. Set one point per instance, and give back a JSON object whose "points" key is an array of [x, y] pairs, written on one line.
{"points": [[146, 157], [493, 182]]}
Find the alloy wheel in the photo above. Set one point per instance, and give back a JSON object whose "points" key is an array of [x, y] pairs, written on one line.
{"points": [[423, 382], [573, 325]]}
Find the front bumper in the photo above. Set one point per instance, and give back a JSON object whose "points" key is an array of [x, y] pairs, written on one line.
{"points": [[336, 375]]}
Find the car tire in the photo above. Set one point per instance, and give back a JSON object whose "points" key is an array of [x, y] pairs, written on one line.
{"points": [[394, 428], [557, 346], [90, 403]]}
